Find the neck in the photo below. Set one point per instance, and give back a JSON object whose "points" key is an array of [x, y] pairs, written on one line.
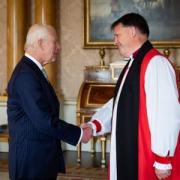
{"points": [[138, 45], [35, 55]]}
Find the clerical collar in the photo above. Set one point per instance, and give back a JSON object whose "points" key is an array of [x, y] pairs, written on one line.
{"points": [[135, 54], [34, 60]]}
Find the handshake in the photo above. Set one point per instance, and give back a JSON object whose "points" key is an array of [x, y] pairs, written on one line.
{"points": [[87, 132]]}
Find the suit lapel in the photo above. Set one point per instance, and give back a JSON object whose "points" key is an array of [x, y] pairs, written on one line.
{"points": [[47, 88]]}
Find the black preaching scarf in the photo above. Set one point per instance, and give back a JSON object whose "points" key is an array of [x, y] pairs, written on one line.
{"points": [[127, 118]]}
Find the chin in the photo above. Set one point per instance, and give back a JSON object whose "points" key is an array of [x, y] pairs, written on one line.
{"points": [[123, 54], [53, 59]]}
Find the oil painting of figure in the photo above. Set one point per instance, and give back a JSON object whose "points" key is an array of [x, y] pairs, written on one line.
{"points": [[162, 15]]}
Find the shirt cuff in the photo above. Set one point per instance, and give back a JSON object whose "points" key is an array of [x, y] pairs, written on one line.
{"points": [[162, 163], [80, 137], [161, 166], [93, 127], [97, 124]]}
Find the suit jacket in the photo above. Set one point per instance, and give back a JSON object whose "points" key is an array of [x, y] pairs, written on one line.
{"points": [[34, 126]]}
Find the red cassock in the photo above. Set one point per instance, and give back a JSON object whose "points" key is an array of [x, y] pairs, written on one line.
{"points": [[145, 155]]}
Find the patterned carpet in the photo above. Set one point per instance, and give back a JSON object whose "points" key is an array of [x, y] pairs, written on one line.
{"points": [[72, 173], [79, 173], [3, 166]]}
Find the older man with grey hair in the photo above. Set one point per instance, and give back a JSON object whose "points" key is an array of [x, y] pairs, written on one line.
{"points": [[35, 129]]}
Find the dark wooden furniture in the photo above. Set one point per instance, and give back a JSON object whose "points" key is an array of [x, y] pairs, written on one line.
{"points": [[92, 96]]}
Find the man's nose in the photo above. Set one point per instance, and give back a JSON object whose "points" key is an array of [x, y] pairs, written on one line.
{"points": [[58, 47], [115, 40]]}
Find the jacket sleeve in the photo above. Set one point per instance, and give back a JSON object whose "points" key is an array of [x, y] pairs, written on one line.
{"points": [[35, 107]]}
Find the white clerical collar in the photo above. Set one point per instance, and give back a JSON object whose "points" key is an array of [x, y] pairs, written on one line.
{"points": [[131, 57], [35, 61]]}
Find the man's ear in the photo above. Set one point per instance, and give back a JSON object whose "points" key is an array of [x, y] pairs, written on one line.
{"points": [[133, 31], [40, 43]]}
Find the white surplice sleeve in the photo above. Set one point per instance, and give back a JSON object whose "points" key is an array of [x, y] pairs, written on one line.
{"points": [[103, 116], [163, 108]]}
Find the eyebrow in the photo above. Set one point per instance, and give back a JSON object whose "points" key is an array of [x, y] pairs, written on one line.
{"points": [[115, 34]]}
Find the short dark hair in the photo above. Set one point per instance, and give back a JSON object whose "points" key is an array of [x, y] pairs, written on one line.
{"points": [[133, 19]]}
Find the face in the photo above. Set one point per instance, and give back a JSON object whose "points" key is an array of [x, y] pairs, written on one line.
{"points": [[123, 39], [50, 47]]}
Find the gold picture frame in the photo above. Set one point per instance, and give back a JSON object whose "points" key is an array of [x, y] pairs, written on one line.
{"points": [[99, 14]]}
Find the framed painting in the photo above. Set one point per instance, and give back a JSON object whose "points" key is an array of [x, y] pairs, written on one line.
{"points": [[162, 16]]}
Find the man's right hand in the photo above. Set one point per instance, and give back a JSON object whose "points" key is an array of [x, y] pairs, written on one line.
{"points": [[162, 174], [87, 133]]}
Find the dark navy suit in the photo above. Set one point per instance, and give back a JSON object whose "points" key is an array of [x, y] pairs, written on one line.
{"points": [[34, 126]]}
